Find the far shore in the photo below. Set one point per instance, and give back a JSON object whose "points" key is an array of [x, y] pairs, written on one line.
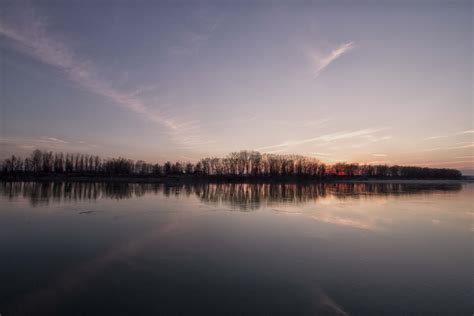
{"points": [[178, 179]]}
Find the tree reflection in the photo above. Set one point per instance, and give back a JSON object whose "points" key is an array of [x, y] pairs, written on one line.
{"points": [[244, 196]]}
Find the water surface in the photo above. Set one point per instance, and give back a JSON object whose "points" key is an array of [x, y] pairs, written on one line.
{"points": [[320, 249]]}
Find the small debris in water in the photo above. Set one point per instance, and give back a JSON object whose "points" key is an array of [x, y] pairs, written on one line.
{"points": [[86, 212]]}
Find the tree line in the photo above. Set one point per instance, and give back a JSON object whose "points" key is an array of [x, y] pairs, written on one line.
{"points": [[238, 164]]}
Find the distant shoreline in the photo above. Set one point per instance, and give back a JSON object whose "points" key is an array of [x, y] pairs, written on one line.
{"points": [[178, 179]]}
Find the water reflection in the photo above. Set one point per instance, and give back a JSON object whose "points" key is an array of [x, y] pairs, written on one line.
{"points": [[311, 249], [243, 196]]}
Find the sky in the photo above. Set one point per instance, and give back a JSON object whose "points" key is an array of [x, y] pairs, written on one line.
{"points": [[368, 81]]}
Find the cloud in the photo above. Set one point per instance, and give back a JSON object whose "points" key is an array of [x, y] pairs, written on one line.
{"points": [[377, 162], [51, 140], [143, 90], [25, 145], [310, 123], [442, 163], [379, 155], [466, 132], [29, 34], [321, 62], [322, 154], [364, 133], [470, 145]]}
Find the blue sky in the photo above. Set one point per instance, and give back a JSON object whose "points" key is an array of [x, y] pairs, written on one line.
{"points": [[373, 82]]}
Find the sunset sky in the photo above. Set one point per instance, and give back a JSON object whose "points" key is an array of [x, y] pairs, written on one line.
{"points": [[377, 82]]}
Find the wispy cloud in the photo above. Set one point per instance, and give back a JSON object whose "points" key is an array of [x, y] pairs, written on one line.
{"points": [[377, 162], [28, 34], [51, 140], [25, 145], [442, 163], [310, 123], [364, 133], [470, 145], [322, 154], [142, 90], [321, 62], [466, 132]]}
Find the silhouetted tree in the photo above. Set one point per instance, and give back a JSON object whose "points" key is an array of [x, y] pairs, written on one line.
{"points": [[236, 164], [189, 169], [167, 168]]}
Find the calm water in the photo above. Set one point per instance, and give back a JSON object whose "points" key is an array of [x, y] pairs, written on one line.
{"points": [[141, 249]]}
